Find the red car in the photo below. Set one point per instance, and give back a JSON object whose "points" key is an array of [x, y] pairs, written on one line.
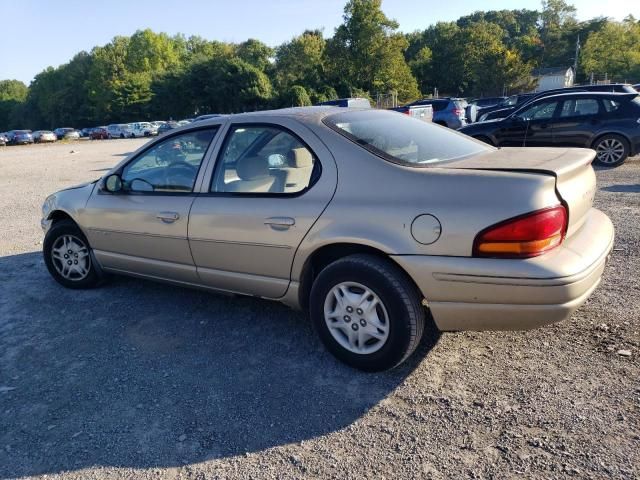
{"points": [[99, 133]]}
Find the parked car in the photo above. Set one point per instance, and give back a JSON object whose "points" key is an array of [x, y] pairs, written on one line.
{"points": [[450, 112], [421, 112], [513, 102], [99, 133], [355, 102], [3, 140], [41, 136], [120, 130], [637, 87], [19, 137], [609, 123], [143, 129], [505, 112], [484, 238], [165, 127], [85, 132], [488, 101], [66, 132]]}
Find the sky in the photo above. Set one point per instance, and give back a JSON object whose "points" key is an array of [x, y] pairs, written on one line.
{"points": [[37, 34]]}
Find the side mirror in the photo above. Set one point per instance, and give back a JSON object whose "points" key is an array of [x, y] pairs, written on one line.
{"points": [[113, 183]]}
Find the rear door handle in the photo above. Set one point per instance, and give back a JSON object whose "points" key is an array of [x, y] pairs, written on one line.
{"points": [[280, 223], [168, 217]]}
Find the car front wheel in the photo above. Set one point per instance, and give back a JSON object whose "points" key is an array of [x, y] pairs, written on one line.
{"points": [[67, 255], [367, 312]]}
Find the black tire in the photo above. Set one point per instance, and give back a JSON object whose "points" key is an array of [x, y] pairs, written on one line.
{"points": [[69, 228], [601, 142], [484, 139], [400, 297], [122, 135]]}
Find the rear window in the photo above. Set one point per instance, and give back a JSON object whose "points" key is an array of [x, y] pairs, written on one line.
{"points": [[402, 139]]}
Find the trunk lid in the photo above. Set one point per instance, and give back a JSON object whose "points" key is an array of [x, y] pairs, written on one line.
{"points": [[575, 178]]}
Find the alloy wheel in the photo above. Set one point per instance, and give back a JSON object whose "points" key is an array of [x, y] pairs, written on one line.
{"points": [[610, 150]]}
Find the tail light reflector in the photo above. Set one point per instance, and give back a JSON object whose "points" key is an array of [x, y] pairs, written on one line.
{"points": [[525, 236]]}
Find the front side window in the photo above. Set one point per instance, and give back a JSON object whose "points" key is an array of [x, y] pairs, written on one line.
{"points": [[401, 139], [169, 166], [541, 111], [264, 159], [579, 107]]}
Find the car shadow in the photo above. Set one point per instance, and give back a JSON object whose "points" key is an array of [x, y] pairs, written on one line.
{"points": [[125, 154], [622, 188], [138, 374]]}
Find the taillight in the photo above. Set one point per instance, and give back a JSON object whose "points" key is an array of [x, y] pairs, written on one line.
{"points": [[525, 236], [458, 111]]}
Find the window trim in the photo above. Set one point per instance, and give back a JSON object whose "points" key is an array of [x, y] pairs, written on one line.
{"points": [[232, 127], [216, 129]]}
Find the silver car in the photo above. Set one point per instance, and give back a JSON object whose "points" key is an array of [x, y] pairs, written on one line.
{"points": [[367, 219]]}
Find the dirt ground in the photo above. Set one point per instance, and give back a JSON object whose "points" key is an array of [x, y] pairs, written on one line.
{"points": [[141, 380]]}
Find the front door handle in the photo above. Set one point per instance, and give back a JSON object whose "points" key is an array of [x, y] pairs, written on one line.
{"points": [[280, 223], [168, 217]]}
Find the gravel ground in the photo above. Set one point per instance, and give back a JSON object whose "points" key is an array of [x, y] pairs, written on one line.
{"points": [[141, 380]]}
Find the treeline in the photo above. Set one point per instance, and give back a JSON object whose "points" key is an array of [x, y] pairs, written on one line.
{"points": [[153, 75]]}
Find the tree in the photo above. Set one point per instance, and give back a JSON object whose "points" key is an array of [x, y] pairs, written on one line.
{"points": [[13, 94], [301, 62], [296, 96], [255, 53], [614, 50], [366, 53], [557, 25]]}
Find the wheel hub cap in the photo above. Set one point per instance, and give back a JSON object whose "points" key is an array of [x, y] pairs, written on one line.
{"points": [[365, 332], [70, 257]]}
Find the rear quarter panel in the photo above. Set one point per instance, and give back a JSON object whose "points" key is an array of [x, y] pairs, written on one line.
{"points": [[376, 202]]}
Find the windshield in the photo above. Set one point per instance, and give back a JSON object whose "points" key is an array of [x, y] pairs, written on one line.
{"points": [[402, 139]]}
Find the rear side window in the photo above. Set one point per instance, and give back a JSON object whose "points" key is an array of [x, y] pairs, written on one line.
{"points": [[401, 139], [264, 159], [579, 107], [610, 105]]}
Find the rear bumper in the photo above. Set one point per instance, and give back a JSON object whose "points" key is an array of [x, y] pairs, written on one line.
{"points": [[499, 294]]}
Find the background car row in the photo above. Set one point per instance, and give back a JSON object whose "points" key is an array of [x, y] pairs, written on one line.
{"points": [[116, 130]]}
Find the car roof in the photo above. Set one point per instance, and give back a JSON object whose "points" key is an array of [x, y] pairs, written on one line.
{"points": [[304, 114], [590, 94]]}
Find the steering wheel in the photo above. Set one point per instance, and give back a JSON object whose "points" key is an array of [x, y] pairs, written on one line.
{"points": [[180, 174]]}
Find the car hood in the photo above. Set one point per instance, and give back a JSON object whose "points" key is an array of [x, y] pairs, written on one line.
{"points": [[81, 185]]}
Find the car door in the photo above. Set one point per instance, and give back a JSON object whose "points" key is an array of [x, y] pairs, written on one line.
{"points": [[530, 127], [272, 180], [142, 228], [576, 122]]}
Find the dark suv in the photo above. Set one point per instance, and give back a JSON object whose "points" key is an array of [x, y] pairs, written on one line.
{"points": [[504, 112], [450, 112], [609, 123]]}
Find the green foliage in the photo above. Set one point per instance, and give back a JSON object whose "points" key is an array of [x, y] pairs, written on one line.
{"points": [[153, 75], [614, 50], [366, 53], [13, 94]]}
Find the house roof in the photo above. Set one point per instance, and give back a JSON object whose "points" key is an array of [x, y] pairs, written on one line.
{"points": [[542, 72]]}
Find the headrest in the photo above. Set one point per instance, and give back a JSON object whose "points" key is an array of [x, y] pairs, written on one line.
{"points": [[301, 158], [252, 168]]}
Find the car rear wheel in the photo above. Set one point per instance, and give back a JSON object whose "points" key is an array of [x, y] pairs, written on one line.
{"points": [[367, 312], [611, 150], [68, 258]]}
